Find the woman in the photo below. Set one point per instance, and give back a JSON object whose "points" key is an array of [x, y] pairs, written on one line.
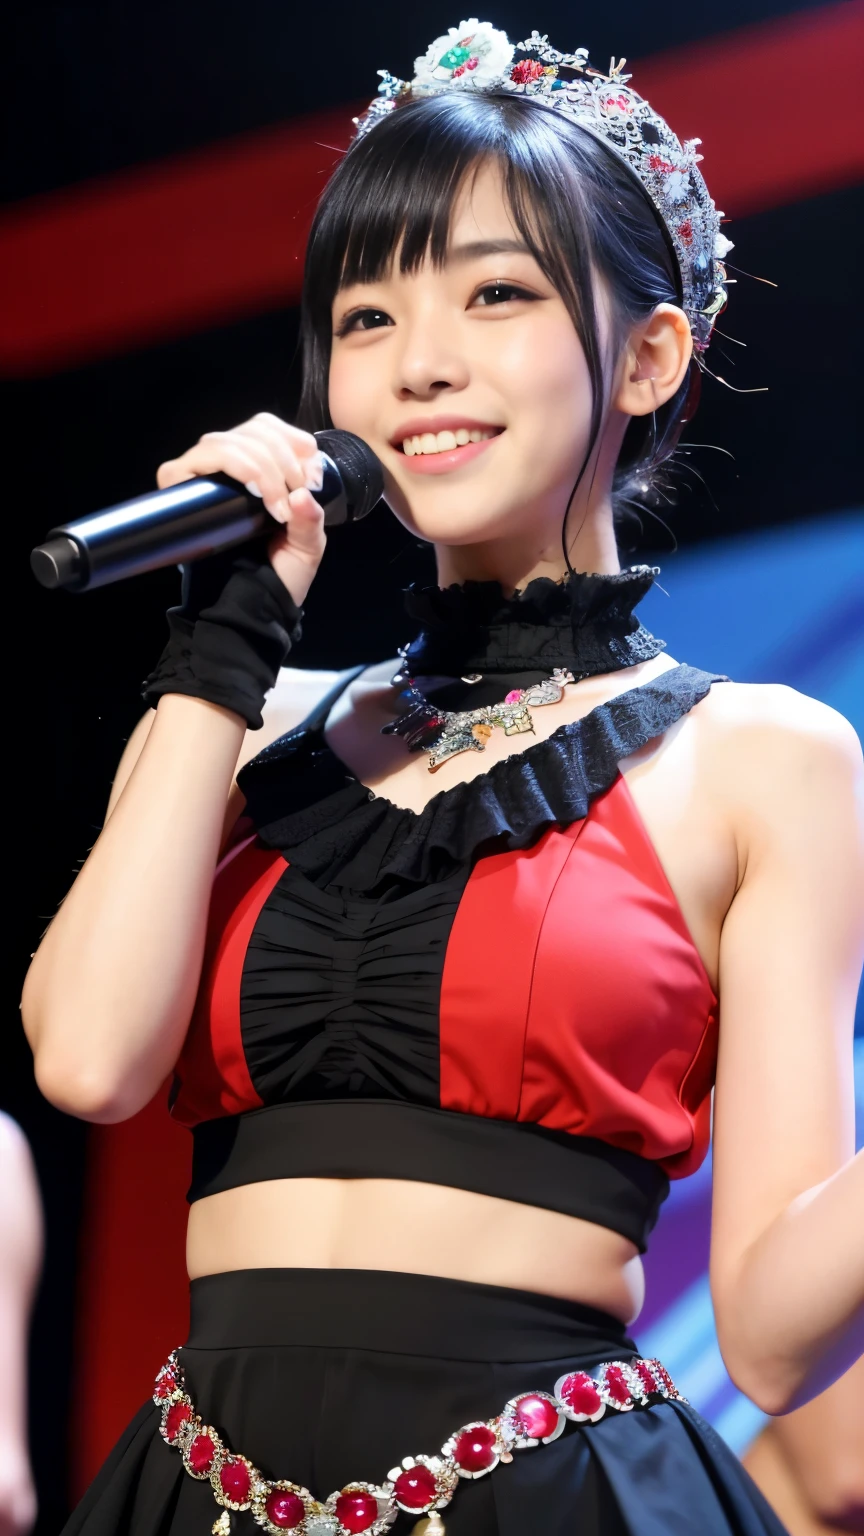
{"points": [[443, 1039]]}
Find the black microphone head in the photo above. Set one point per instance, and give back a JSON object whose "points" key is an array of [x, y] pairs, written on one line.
{"points": [[361, 470], [59, 563]]}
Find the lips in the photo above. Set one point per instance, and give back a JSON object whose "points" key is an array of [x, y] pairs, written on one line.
{"points": [[437, 445], [424, 434], [443, 442], [443, 462]]}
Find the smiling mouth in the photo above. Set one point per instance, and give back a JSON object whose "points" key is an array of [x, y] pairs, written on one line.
{"points": [[429, 443]]}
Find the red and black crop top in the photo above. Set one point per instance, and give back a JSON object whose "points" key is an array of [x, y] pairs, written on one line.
{"points": [[499, 993]]}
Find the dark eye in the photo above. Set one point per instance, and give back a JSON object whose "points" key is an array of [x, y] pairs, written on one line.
{"points": [[501, 293], [363, 320]]}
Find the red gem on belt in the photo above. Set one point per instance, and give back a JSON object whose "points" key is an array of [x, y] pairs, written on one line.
{"points": [[421, 1485]]}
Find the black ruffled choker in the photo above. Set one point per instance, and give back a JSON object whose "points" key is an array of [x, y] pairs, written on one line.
{"points": [[585, 623]]}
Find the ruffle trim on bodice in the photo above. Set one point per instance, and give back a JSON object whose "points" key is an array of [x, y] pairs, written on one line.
{"points": [[304, 801]]}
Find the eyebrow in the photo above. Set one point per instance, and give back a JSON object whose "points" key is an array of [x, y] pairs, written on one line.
{"points": [[478, 248]]}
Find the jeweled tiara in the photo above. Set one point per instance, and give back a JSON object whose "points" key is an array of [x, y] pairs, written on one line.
{"points": [[475, 56]]}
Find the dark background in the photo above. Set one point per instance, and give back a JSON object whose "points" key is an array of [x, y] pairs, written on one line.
{"points": [[95, 89]]}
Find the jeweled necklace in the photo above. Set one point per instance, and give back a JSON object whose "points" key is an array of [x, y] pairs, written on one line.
{"points": [[445, 733], [552, 634]]}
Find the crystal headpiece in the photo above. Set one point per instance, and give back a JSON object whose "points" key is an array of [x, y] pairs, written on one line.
{"points": [[476, 57]]}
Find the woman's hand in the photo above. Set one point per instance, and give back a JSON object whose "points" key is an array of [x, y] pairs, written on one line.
{"points": [[280, 464]]}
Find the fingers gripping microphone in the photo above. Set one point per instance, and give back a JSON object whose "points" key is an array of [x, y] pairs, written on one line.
{"points": [[196, 518]]}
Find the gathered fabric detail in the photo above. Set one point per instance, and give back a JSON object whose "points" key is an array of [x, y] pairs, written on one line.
{"points": [[340, 994]]}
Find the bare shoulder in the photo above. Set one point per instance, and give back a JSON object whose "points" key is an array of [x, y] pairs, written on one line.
{"points": [[779, 723], [775, 755], [296, 693]]}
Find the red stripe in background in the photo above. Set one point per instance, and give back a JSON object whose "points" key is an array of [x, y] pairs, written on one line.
{"points": [[208, 237], [132, 1292]]}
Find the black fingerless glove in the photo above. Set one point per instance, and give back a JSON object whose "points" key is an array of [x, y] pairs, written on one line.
{"points": [[232, 632]]}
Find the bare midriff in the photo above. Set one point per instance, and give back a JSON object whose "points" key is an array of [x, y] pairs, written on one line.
{"points": [[429, 1229]]}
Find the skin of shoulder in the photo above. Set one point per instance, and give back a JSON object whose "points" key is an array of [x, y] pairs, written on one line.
{"points": [[777, 751], [782, 713], [296, 693], [783, 709]]}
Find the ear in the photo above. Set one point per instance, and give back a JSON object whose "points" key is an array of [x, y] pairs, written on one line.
{"points": [[655, 361]]}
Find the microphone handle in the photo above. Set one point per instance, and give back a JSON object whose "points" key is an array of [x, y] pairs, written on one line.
{"points": [[186, 522]]}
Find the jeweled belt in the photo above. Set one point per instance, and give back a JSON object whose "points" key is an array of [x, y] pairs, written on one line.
{"points": [[422, 1485]]}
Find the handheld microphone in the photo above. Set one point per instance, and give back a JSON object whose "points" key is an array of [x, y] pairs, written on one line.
{"points": [[196, 518]]}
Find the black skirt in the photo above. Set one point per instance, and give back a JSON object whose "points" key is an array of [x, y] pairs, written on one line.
{"points": [[326, 1377]]}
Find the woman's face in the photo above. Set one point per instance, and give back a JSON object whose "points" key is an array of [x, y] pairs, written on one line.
{"points": [[422, 364]]}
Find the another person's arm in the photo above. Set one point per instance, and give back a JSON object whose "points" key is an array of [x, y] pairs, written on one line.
{"points": [[810, 1463], [20, 1262]]}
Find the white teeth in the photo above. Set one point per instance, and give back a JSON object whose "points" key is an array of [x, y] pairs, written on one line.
{"points": [[443, 442]]}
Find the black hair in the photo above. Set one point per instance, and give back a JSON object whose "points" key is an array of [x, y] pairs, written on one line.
{"points": [[577, 206]]}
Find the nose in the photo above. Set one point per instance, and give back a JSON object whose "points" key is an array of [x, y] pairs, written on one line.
{"points": [[429, 362]]}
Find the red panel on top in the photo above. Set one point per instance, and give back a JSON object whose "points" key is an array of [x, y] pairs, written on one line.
{"points": [[489, 972], [212, 1072], [621, 1007], [573, 996]]}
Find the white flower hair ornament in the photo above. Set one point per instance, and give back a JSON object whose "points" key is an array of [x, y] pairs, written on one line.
{"points": [[475, 56], [472, 54]]}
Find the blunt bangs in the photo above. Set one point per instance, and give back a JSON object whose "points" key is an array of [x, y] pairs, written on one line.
{"points": [[401, 197], [580, 211]]}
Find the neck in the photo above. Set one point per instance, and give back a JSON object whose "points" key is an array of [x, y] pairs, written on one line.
{"points": [[515, 561]]}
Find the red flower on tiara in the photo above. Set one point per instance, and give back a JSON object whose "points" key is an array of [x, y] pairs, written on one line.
{"points": [[526, 71]]}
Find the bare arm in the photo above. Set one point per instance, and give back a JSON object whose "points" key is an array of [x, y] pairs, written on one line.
{"points": [[109, 994], [108, 997], [787, 1264]]}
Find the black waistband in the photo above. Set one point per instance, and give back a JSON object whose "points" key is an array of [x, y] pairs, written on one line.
{"points": [[395, 1313], [389, 1139]]}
